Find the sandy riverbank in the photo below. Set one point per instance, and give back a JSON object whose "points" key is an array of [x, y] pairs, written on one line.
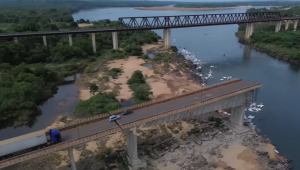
{"points": [[186, 9], [163, 85], [85, 25]]}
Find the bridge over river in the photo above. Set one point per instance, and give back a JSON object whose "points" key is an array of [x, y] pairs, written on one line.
{"points": [[234, 94], [167, 23]]}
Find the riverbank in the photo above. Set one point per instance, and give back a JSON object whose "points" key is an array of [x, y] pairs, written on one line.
{"points": [[186, 9], [279, 51]]}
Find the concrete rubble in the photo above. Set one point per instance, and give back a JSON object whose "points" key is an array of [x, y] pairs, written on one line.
{"points": [[204, 148]]}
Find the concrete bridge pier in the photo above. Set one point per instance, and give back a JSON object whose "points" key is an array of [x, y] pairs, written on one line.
{"points": [[115, 40], [287, 24], [278, 26], [249, 30], [295, 25], [247, 52], [45, 41], [167, 38], [16, 40], [94, 42], [73, 165], [70, 40], [237, 115], [132, 150]]}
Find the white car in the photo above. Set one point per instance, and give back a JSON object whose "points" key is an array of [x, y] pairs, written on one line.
{"points": [[114, 117]]}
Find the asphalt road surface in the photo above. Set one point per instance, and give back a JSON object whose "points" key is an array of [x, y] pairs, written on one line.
{"points": [[88, 129], [104, 125], [184, 101]]}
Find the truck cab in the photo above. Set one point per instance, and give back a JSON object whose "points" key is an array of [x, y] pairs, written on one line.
{"points": [[55, 136]]}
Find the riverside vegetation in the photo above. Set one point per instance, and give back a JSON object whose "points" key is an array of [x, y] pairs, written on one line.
{"points": [[103, 103], [283, 45], [30, 72]]}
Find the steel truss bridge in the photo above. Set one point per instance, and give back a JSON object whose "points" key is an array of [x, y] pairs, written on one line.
{"points": [[164, 22]]}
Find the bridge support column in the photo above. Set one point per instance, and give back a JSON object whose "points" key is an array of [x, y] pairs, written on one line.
{"points": [[278, 26], [249, 30], [115, 40], [70, 40], [132, 150], [247, 52], [73, 165], [237, 115], [167, 38], [16, 40], [94, 42], [287, 24], [295, 25], [45, 41]]}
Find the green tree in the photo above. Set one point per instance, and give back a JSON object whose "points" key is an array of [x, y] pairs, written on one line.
{"points": [[174, 49], [94, 89], [142, 92], [136, 78], [73, 25], [68, 18]]}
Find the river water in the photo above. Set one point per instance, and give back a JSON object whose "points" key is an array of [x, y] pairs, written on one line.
{"points": [[67, 95], [280, 118]]}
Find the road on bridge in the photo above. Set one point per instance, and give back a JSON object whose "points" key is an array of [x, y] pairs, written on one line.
{"points": [[105, 125]]}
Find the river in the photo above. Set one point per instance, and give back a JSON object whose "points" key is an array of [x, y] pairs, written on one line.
{"points": [[280, 81], [66, 94]]}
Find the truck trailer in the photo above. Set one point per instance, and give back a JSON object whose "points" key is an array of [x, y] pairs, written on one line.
{"points": [[27, 143]]}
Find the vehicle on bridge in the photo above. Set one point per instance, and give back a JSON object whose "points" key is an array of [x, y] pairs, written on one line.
{"points": [[27, 143], [114, 117], [127, 112]]}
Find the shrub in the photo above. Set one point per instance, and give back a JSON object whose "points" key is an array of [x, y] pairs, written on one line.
{"points": [[174, 49], [90, 69], [101, 103], [93, 89], [114, 72], [145, 56]]}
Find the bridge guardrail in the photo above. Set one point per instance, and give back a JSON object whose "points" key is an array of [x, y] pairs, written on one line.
{"points": [[142, 121], [83, 121]]}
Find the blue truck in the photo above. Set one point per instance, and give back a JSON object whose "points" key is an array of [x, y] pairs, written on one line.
{"points": [[29, 142]]}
